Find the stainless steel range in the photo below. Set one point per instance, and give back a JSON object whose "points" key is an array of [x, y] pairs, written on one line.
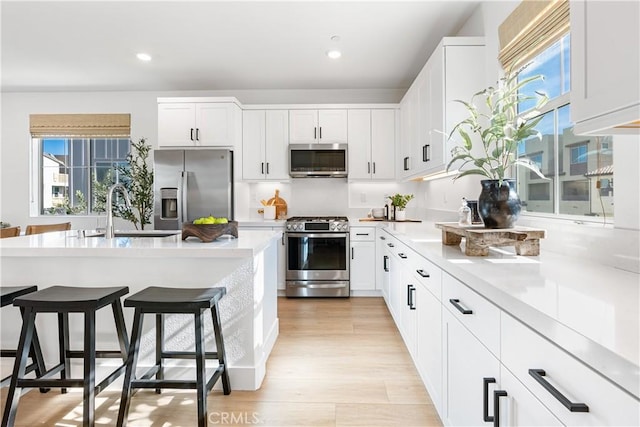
{"points": [[317, 256]]}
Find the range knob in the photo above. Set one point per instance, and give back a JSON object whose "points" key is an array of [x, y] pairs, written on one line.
{"points": [[288, 226], [345, 226], [334, 226]]}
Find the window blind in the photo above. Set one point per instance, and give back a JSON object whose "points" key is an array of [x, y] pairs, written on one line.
{"points": [[532, 27], [80, 125]]}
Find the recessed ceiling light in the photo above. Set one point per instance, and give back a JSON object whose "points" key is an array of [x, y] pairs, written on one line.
{"points": [[334, 54], [143, 57], [335, 38]]}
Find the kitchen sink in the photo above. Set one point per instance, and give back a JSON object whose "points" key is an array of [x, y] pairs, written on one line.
{"points": [[139, 234]]}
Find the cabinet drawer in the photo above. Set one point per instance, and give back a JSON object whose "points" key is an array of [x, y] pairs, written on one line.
{"points": [[362, 234], [476, 313], [524, 350], [427, 274]]}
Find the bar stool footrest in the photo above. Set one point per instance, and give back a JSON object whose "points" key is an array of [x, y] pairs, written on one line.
{"points": [[188, 355]]}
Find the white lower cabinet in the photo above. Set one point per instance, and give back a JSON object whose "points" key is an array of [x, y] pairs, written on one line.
{"points": [[429, 343], [519, 407], [467, 362], [363, 257]]}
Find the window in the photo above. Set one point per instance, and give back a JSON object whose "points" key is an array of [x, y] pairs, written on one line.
{"points": [[578, 168], [74, 160], [74, 170]]}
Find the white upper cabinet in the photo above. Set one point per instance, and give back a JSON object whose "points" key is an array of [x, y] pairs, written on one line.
{"points": [[313, 126], [194, 124], [605, 67], [454, 71], [371, 136], [265, 136]]}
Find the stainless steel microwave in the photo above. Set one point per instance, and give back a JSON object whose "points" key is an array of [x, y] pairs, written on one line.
{"points": [[318, 160]]}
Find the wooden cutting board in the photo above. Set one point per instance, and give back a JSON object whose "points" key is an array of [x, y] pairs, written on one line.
{"points": [[387, 220]]}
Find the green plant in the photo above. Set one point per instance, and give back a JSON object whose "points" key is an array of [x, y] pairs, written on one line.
{"points": [[66, 208], [499, 127], [137, 177], [400, 200]]}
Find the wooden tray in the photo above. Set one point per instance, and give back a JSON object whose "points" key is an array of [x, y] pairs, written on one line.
{"points": [[387, 220], [209, 232], [478, 239]]}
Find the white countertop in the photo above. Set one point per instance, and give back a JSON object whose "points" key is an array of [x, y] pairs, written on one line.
{"points": [[261, 223], [590, 310], [66, 243]]}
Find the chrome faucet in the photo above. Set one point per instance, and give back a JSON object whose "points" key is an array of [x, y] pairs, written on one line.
{"points": [[109, 232]]}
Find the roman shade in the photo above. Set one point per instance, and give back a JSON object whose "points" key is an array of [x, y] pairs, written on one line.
{"points": [[80, 125], [531, 28]]}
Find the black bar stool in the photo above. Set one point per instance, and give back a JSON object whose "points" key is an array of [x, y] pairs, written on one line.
{"points": [[162, 301], [64, 300], [10, 293]]}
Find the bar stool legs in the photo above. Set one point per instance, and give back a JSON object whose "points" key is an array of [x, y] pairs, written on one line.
{"points": [[63, 300], [159, 301]]}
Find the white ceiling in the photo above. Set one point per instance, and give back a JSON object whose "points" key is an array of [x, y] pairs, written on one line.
{"points": [[217, 45]]}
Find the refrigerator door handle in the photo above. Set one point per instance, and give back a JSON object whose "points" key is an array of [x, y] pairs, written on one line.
{"points": [[184, 185]]}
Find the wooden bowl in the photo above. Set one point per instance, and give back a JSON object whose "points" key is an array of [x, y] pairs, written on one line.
{"points": [[209, 232]]}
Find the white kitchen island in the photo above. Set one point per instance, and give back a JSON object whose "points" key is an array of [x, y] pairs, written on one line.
{"points": [[246, 266]]}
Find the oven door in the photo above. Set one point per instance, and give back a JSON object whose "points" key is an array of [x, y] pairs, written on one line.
{"points": [[317, 256]]}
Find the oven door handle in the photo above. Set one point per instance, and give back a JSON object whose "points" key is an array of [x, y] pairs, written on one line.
{"points": [[338, 235]]}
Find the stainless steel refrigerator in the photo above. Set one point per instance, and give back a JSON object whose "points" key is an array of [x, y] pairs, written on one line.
{"points": [[190, 184]]}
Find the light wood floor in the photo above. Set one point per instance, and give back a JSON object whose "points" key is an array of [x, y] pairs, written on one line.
{"points": [[337, 362]]}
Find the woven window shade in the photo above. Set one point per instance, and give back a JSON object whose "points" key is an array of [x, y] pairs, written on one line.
{"points": [[532, 27], [80, 125]]}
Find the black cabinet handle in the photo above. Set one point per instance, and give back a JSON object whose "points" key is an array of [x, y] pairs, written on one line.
{"points": [[267, 168], [402, 255], [385, 260], [383, 238], [197, 134], [351, 253], [262, 168], [374, 167], [405, 162], [192, 134], [422, 273], [456, 304], [538, 375], [426, 153], [496, 406], [320, 132], [409, 295], [391, 245], [485, 399], [412, 293], [362, 234], [368, 167], [315, 133]]}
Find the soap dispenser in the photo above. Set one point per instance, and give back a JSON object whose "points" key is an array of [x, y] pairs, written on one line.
{"points": [[464, 214]]}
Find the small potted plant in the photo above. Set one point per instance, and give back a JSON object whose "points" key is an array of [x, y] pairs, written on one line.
{"points": [[495, 123], [399, 202]]}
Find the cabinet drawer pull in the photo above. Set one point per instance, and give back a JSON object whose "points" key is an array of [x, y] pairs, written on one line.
{"points": [[409, 295], [391, 245], [485, 399], [456, 303], [405, 162], [412, 300], [422, 273], [497, 394], [383, 238], [385, 259], [401, 255], [538, 375], [351, 253], [362, 234]]}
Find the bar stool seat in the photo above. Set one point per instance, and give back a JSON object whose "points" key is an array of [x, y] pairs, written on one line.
{"points": [[160, 301], [8, 294], [64, 300]]}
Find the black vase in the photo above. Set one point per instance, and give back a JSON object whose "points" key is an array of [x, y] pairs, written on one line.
{"points": [[499, 205]]}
